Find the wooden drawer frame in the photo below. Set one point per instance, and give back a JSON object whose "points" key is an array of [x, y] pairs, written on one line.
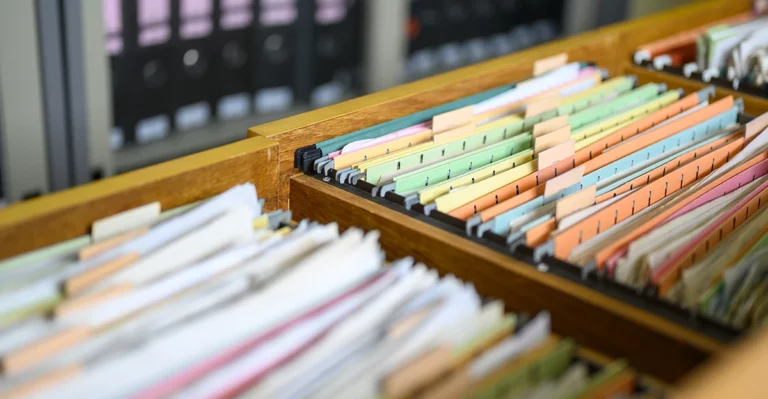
{"points": [[68, 214], [753, 105]]}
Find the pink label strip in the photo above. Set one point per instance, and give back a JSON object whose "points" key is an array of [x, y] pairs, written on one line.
{"points": [[277, 16], [363, 144], [728, 186], [196, 8], [236, 19], [704, 234], [113, 16], [153, 11], [114, 45]]}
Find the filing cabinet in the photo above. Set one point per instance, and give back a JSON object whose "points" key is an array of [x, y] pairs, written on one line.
{"points": [[587, 311]]}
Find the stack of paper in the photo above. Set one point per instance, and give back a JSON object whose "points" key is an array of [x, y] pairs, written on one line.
{"points": [[735, 48], [219, 300], [656, 188]]}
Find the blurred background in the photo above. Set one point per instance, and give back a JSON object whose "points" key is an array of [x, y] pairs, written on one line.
{"points": [[92, 88]]}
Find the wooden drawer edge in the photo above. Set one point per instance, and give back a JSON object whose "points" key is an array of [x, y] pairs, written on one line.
{"points": [[752, 105], [68, 214]]}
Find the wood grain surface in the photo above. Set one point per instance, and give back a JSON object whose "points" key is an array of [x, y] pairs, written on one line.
{"points": [[608, 47], [653, 344], [67, 214], [738, 373], [752, 105]]}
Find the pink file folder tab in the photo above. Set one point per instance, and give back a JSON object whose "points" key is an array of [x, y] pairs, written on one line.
{"points": [[239, 386], [363, 144], [191, 374], [728, 186]]}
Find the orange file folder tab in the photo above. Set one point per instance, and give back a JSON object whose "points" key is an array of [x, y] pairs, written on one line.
{"points": [[731, 53], [646, 193], [219, 299]]}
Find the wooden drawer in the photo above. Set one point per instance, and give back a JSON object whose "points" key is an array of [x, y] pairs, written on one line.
{"points": [[600, 315], [608, 47], [67, 214], [753, 105]]}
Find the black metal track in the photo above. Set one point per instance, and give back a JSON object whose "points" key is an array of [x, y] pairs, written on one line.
{"points": [[719, 82]]}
